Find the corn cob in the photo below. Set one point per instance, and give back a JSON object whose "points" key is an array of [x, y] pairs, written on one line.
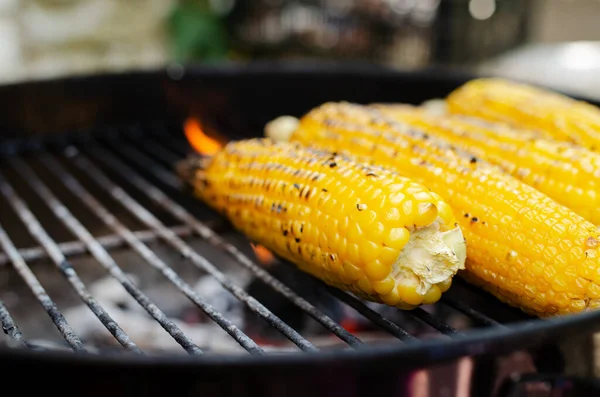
{"points": [[553, 115], [522, 246], [359, 228], [567, 173]]}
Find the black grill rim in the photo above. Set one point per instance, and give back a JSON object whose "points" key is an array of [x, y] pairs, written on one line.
{"points": [[529, 333], [477, 342]]}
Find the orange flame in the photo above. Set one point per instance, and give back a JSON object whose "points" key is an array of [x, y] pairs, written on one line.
{"points": [[263, 255], [201, 142]]}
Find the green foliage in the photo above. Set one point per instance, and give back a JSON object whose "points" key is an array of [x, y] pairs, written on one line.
{"points": [[196, 32]]}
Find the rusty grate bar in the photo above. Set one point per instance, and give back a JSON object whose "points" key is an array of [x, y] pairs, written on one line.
{"points": [[9, 327], [40, 293], [101, 255], [207, 233], [37, 231], [75, 248], [146, 253], [185, 250]]}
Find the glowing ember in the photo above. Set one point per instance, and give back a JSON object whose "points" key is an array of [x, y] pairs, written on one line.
{"points": [[350, 325], [201, 142], [263, 255]]}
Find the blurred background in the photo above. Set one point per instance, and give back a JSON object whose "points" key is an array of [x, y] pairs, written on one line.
{"points": [[551, 42]]}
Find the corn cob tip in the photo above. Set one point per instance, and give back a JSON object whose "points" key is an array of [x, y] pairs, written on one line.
{"points": [[281, 128], [438, 107], [430, 258], [189, 168]]}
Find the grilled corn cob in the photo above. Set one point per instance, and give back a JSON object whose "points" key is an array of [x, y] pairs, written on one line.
{"points": [[567, 173], [356, 227], [556, 116], [522, 246]]}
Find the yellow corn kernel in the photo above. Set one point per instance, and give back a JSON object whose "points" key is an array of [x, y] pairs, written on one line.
{"points": [[317, 210], [567, 173], [508, 224], [433, 295], [549, 113]]}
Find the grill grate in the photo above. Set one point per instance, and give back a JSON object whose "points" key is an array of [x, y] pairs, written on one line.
{"points": [[139, 157], [75, 248]]}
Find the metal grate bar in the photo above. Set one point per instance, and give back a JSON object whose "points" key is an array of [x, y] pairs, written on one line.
{"points": [[162, 134], [432, 321], [217, 241], [110, 220], [469, 311], [382, 322], [188, 253], [74, 248], [9, 327], [101, 255], [156, 150], [40, 293], [165, 176], [38, 232]]}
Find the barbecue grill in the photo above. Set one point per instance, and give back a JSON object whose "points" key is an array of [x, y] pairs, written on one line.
{"points": [[90, 204]]}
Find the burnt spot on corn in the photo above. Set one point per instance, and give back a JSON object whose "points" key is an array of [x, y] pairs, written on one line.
{"points": [[307, 193], [303, 191], [473, 160], [332, 164], [474, 219]]}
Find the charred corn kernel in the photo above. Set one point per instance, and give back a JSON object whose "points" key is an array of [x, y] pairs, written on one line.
{"points": [[508, 224], [567, 173], [317, 210], [551, 114]]}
